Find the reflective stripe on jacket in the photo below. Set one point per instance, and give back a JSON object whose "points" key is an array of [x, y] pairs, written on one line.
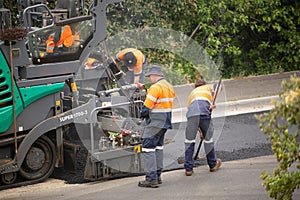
{"points": [[159, 100], [199, 102], [50, 44]]}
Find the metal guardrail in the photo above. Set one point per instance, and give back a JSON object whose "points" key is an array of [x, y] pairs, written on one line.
{"points": [[231, 108]]}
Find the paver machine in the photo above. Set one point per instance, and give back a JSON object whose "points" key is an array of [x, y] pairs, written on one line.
{"points": [[48, 99]]}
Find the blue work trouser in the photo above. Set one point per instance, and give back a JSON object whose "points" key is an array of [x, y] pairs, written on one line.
{"points": [[152, 151], [207, 129]]}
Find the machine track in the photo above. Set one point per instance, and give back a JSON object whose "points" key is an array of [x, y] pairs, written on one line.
{"points": [[22, 183], [37, 166]]}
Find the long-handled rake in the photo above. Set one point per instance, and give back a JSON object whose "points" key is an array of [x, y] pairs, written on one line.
{"points": [[180, 160]]}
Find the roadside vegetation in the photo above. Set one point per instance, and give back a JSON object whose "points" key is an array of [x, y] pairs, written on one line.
{"points": [[282, 126], [243, 37], [251, 37]]}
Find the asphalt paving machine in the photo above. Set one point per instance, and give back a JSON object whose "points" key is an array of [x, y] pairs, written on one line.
{"points": [[48, 99]]}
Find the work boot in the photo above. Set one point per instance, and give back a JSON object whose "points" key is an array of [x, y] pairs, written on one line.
{"points": [[188, 173], [217, 166], [159, 181], [149, 184]]}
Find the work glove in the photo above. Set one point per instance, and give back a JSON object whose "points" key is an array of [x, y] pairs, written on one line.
{"points": [[144, 113]]}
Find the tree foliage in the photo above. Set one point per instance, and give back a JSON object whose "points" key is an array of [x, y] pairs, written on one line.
{"points": [[251, 37], [282, 126]]}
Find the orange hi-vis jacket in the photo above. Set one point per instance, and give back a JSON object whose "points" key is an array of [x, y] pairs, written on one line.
{"points": [[159, 100], [203, 92], [66, 39], [140, 59], [199, 101]]}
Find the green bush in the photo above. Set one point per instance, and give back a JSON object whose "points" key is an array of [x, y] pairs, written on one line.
{"points": [[252, 37], [282, 125]]}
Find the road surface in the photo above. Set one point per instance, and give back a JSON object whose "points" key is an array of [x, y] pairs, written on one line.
{"points": [[237, 137]]}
